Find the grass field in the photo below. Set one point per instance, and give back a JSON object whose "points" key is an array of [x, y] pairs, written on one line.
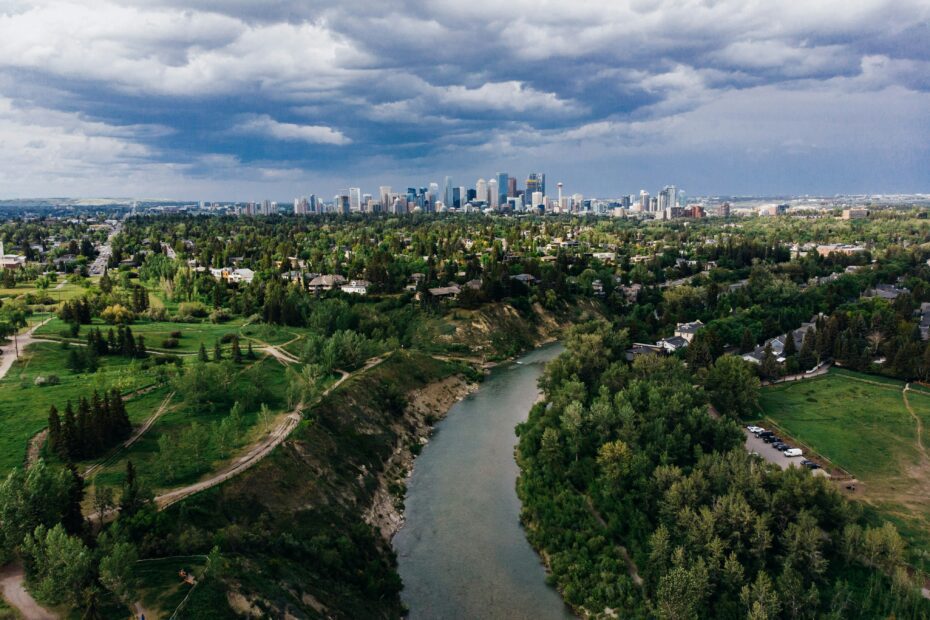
{"points": [[24, 405], [178, 417], [155, 333], [871, 428], [159, 586]]}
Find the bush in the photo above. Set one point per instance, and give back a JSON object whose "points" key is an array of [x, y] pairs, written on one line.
{"points": [[117, 314], [219, 315], [192, 308], [42, 381], [169, 343], [228, 337], [176, 334], [161, 360], [156, 314]]}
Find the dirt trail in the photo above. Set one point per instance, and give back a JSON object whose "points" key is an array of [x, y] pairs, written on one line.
{"points": [[35, 447], [14, 592], [135, 436], [918, 421]]}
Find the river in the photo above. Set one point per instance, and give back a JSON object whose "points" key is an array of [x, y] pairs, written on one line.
{"points": [[462, 552]]}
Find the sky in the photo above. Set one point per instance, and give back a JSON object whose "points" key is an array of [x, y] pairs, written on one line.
{"points": [[236, 100]]}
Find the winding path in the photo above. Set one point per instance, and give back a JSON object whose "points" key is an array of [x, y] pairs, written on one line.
{"points": [[14, 592], [920, 425]]}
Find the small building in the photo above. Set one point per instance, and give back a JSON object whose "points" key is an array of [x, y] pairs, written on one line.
{"points": [[356, 287], [639, 349], [688, 330], [672, 344], [242, 274], [326, 282], [446, 292]]}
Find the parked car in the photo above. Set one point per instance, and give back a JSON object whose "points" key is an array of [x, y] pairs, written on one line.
{"points": [[781, 447], [754, 429], [810, 464], [771, 439], [765, 434], [793, 452]]}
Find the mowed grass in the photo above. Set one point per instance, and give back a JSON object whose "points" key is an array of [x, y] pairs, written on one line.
{"points": [[24, 405], [861, 424], [154, 332], [158, 584]]}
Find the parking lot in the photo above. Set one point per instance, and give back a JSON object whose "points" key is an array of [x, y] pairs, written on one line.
{"points": [[770, 454]]}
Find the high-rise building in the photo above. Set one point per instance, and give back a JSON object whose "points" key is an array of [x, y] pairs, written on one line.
{"points": [[559, 185], [536, 182], [502, 185], [511, 187], [447, 192], [537, 198], [643, 200], [481, 191], [355, 199], [494, 195], [385, 194], [301, 206]]}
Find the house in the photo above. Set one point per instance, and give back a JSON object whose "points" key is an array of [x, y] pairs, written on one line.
{"points": [[356, 287], [598, 288], [885, 291], [778, 343], [446, 292], [688, 330], [326, 282], [639, 349], [925, 320], [672, 344], [631, 292], [241, 275]]}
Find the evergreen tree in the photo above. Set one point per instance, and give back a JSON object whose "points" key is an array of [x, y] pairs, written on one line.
{"points": [[69, 433], [140, 346], [132, 498], [55, 440], [236, 351], [75, 361], [83, 428], [769, 367], [202, 353], [250, 353], [747, 343], [807, 358], [790, 347], [73, 517], [217, 351]]}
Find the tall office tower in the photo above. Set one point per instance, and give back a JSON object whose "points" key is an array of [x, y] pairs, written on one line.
{"points": [[385, 193], [559, 185], [456, 198], [367, 203], [511, 187], [463, 196], [536, 182], [481, 191], [433, 195], [341, 203], [355, 199], [447, 192], [301, 206], [502, 185], [653, 205], [494, 196], [577, 201], [643, 200]]}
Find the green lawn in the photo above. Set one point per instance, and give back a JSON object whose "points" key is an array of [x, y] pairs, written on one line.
{"points": [[159, 586], [861, 424], [24, 406]]}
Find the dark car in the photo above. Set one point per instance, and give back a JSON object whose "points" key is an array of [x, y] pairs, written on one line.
{"points": [[781, 447], [765, 434], [772, 439], [810, 464]]}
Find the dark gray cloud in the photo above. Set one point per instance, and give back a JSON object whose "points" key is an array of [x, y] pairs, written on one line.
{"points": [[223, 96]]}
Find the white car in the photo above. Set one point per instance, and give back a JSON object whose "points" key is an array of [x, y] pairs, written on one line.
{"points": [[755, 430], [793, 452]]}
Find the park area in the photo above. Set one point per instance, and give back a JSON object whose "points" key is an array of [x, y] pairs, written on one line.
{"points": [[875, 430]]}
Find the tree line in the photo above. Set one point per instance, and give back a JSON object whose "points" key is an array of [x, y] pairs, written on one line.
{"points": [[99, 424]]}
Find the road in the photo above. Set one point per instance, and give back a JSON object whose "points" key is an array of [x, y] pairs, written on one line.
{"points": [[11, 584], [103, 253], [21, 341]]}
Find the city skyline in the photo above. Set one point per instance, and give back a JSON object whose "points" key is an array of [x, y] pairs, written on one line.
{"points": [[174, 100]]}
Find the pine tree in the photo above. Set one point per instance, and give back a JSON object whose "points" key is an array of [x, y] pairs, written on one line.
{"points": [[83, 429], [75, 361], [807, 358], [202, 354], [55, 442], [250, 353], [747, 343], [73, 518], [236, 351], [217, 351], [69, 433], [790, 347], [140, 346], [769, 367], [131, 500], [111, 341]]}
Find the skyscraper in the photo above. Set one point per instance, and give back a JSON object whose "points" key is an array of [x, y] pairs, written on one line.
{"points": [[494, 196], [447, 192], [355, 199], [536, 182], [502, 185], [643, 200], [511, 187], [385, 193], [481, 191]]}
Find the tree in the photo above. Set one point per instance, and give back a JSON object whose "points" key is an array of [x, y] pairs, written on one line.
{"points": [[807, 358], [250, 353], [236, 351], [769, 368], [733, 386], [103, 501], [217, 351], [58, 565], [747, 342], [133, 497], [202, 353], [55, 439], [117, 314], [117, 571]]}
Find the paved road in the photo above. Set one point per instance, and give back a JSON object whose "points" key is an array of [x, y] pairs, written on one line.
{"points": [[104, 251], [9, 350]]}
